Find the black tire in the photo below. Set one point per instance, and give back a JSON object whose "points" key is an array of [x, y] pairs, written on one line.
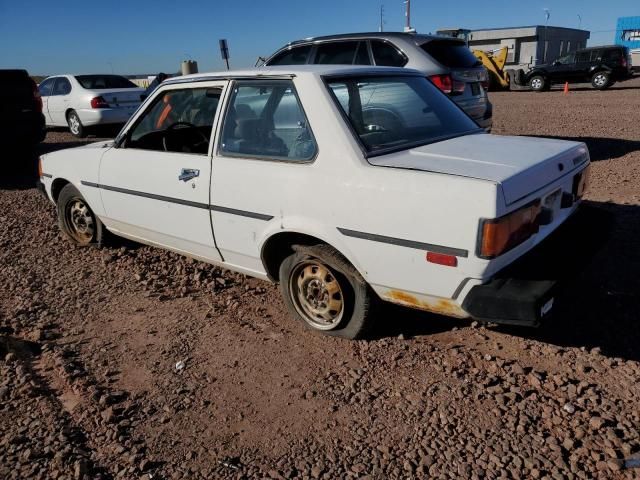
{"points": [[74, 213], [538, 83], [75, 125], [601, 80], [356, 297]]}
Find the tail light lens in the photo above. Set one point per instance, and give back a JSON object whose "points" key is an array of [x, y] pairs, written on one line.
{"points": [[447, 84], [36, 95], [502, 234], [99, 102], [485, 85], [624, 62], [39, 167]]}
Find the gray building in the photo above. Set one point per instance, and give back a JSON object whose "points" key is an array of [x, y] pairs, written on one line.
{"points": [[529, 45]]}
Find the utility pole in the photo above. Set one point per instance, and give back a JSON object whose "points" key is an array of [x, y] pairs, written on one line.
{"points": [[407, 14], [381, 18]]}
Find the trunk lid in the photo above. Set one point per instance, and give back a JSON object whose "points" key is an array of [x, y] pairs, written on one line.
{"points": [[521, 165], [120, 97]]}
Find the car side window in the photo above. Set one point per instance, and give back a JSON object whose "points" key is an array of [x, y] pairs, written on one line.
{"points": [[583, 56], [387, 55], [614, 55], [293, 56], [336, 53], [61, 87], [596, 55], [362, 55], [567, 59], [177, 121], [266, 120], [46, 87]]}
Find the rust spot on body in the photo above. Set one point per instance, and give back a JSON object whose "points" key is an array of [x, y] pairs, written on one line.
{"points": [[441, 306]]}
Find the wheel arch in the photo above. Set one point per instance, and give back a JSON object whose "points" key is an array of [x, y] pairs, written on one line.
{"points": [[56, 187], [279, 246], [67, 112]]}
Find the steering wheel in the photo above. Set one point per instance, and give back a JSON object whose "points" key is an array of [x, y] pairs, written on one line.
{"points": [[188, 125]]}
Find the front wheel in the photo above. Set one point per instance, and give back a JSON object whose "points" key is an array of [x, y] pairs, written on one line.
{"points": [[538, 83], [323, 290], [76, 220], [75, 125], [600, 80]]}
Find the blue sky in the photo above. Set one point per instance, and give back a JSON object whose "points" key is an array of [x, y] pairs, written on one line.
{"points": [[143, 36]]}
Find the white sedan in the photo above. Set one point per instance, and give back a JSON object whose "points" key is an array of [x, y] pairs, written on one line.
{"points": [[81, 101], [344, 184]]}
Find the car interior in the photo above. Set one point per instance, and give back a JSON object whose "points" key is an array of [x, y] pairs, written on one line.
{"points": [[178, 121], [267, 121]]}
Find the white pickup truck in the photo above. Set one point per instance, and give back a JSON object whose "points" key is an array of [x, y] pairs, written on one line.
{"points": [[344, 184]]}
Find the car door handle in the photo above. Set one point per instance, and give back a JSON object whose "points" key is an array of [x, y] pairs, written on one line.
{"points": [[187, 174]]}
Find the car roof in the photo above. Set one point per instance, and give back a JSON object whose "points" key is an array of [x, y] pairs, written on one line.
{"points": [[381, 35], [292, 71], [600, 47]]}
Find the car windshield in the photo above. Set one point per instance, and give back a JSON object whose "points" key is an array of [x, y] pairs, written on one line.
{"points": [[390, 113], [102, 82]]}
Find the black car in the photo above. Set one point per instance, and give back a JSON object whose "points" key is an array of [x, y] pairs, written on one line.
{"points": [[22, 123], [602, 66]]}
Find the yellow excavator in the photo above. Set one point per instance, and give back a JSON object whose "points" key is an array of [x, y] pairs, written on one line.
{"points": [[493, 60]]}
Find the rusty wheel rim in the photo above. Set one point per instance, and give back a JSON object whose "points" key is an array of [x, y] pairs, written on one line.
{"points": [[80, 220], [317, 295]]}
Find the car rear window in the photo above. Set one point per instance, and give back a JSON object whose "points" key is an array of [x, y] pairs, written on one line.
{"points": [[103, 82], [390, 113], [451, 53]]}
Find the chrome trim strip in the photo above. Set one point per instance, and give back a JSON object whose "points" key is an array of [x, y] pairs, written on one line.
{"points": [[458, 252], [179, 201]]}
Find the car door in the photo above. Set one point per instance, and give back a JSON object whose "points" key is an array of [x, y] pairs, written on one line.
{"points": [[264, 143], [563, 69], [155, 182], [45, 89], [59, 101], [583, 66]]}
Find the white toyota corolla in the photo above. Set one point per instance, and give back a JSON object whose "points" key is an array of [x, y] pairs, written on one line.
{"points": [[344, 184]]}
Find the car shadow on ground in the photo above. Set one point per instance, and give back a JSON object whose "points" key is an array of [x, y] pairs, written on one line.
{"points": [[603, 148], [597, 304]]}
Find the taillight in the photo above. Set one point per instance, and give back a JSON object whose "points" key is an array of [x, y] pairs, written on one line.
{"points": [[485, 84], [448, 85], [39, 167], [99, 102], [624, 62], [36, 95], [500, 235], [443, 82]]}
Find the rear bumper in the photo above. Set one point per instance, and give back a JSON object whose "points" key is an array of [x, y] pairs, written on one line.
{"points": [[527, 291], [511, 301], [105, 116]]}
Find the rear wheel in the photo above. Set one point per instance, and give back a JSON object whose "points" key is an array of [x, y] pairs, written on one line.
{"points": [[538, 83], [75, 125], [600, 80], [76, 219], [325, 292]]}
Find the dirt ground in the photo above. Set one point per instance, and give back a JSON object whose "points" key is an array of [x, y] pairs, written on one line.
{"points": [[90, 340]]}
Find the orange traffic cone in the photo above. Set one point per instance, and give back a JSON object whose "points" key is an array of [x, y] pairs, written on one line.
{"points": [[566, 87]]}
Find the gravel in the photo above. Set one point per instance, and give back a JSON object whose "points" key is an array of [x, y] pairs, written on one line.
{"points": [[90, 341]]}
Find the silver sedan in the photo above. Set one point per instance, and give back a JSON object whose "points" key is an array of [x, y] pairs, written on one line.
{"points": [[80, 101]]}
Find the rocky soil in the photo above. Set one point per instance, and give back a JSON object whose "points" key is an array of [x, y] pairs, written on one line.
{"points": [[128, 362]]}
